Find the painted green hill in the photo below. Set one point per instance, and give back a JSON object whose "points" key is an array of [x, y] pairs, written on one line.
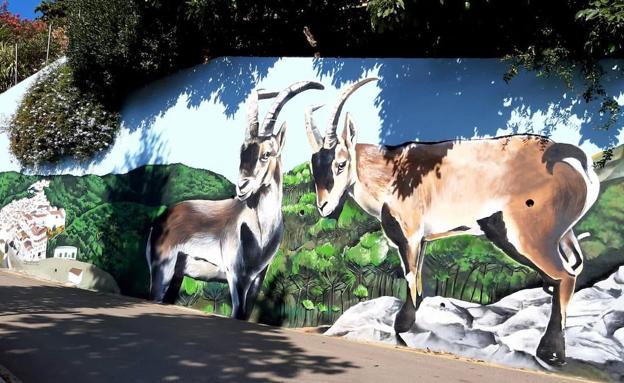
{"points": [[13, 186], [108, 218], [151, 185]]}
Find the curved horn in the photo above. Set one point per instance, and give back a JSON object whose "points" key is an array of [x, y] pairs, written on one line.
{"points": [[252, 110], [282, 98], [314, 136], [330, 134]]}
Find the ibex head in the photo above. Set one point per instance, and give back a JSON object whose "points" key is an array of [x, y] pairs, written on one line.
{"points": [[261, 151], [333, 158]]}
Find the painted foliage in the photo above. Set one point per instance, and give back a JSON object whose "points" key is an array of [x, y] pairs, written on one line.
{"points": [[320, 229]]}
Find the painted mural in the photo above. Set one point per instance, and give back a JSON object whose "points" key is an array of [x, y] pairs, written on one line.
{"points": [[231, 240], [500, 240]]}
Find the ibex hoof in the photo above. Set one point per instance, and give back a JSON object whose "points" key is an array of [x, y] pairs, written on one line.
{"points": [[551, 357], [400, 341]]}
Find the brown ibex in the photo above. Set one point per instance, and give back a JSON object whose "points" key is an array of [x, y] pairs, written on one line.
{"points": [[523, 192], [231, 240]]}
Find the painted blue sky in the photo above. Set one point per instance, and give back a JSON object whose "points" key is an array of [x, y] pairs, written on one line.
{"points": [[198, 116], [25, 8]]}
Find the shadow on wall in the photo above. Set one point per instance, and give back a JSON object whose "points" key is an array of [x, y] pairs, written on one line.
{"points": [[57, 326], [152, 150], [436, 99], [418, 99], [226, 80], [112, 237], [108, 218]]}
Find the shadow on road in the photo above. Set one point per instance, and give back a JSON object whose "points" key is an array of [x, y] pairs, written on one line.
{"points": [[67, 334]]}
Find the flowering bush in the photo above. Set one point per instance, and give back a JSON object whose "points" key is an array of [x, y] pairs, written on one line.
{"points": [[31, 37], [55, 120], [19, 27]]}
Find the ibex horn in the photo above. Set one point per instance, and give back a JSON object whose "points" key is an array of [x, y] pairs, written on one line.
{"points": [[330, 135], [252, 110], [314, 136], [283, 97]]}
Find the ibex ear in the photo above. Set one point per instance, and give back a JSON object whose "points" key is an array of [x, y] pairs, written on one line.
{"points": [[281, 137], [348, 134]]}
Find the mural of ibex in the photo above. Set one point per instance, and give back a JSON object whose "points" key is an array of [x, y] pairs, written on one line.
{"points": [[523, 192], [231, 240]]}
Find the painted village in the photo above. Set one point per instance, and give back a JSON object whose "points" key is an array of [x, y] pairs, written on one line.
{"points": [[26, 225]]}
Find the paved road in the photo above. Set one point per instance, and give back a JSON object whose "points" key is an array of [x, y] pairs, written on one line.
{"points": [[51, 334]]}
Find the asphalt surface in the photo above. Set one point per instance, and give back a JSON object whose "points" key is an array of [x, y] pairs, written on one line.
{"points": [[50, 333]]}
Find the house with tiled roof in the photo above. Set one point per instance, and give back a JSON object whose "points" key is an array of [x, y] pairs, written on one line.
{"points": [[27, 222]]}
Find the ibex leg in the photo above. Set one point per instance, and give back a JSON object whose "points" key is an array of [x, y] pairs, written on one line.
{"points": [[254, 289], [409, 251], [166, 277], [239, 286], [537, 250]]}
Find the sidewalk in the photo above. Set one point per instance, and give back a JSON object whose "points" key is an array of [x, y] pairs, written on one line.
{"points": [[57, 334]]}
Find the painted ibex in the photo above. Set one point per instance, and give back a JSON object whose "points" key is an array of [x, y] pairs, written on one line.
{"points": [[231, 240], [524, 193]]}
